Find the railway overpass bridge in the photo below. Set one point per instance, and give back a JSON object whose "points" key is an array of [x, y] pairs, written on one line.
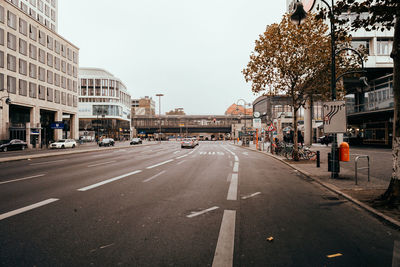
{"points": [[208, 126]]}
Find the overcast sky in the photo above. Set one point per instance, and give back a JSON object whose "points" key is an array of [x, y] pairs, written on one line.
{"points": [[192, 51]]}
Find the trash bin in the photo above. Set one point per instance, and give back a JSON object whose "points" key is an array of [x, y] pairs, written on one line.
{"points": [[344, 152]]}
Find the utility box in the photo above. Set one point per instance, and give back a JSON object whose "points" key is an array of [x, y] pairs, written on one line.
{"points": [[344, 152]]}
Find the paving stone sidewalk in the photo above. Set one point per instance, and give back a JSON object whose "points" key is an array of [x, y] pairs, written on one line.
{"points": [[364, 193]]}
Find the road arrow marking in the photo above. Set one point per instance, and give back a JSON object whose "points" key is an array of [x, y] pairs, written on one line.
{"points": [[252, 195]]}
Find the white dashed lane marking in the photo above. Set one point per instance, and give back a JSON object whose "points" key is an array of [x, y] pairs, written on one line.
{"points": [[27, 208]]}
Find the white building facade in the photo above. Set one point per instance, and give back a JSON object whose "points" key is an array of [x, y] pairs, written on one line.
{"points": [[104, 105], [43, 11], [39, 74]]}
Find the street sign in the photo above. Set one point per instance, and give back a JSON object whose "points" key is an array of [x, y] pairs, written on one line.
{"points": [[257, 123], [271, 128], [256, 114], [334, 117]]}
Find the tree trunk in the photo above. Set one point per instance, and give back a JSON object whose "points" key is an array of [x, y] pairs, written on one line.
{"points": [[295, 137], [392, 194]]}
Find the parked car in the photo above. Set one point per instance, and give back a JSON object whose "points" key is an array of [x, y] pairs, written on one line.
{"points": [[188, 143], [63, 143], [14, 144], [107, 142], [136, 141]]}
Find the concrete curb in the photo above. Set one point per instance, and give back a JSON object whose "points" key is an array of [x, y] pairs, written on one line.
{"points": [[70, 152], [336, 190]]}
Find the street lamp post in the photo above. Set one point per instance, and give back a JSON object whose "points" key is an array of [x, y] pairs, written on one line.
{"points": [[159, 114], [245, 126]]}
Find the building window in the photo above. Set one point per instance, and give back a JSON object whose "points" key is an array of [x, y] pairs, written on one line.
{"points": [[32, 51], [42, 56], [11, 20], [23, 88], [33, 2], [53, 15], [42, 74], [69, 84], [42, 92], [53, 27], [75, 101], [24, 8], [32, 70], [75, 86], [32, 90], [57, 47], [57, 63], [1, 81], [1, 36], [47, 10], [63, 66], [11, 62], [40, 18], [63, 82], [49, 42], [75, 72], [1, 14], [384, 46], [32, 13], [57, 96], [63, 50], [361, 44], [40, 5], [11, 84], [42, 38], [32, 32], [56, 79], [69, 99], [12, 41], [74, 57], [23, 67], [50, 77], [69, 69], [50, 95], [1, 61], [63, 98], [49, 60], [23, 47], [23, 27]]}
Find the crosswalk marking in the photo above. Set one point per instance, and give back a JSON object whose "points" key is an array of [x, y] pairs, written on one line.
{"points": [[211, 153]]}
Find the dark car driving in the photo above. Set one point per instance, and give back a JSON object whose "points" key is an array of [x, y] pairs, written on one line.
{"points": [[14, 144]]}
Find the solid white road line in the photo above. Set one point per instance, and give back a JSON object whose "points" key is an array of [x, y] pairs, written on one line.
{"points": [[153, 177], [108, 181], [226, 240], [194, 214], [232, 192], [176, 152], [236, 157], [181, 156], [30, 207], [236, 167], [396, 254], [252, 195], [21, 179], [102, 163], [159, 164], [47, 162], [179, 163]]}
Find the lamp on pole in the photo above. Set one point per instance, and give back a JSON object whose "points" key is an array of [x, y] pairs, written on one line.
{"points": [[297, 18], [245, 126], [159, 114]]}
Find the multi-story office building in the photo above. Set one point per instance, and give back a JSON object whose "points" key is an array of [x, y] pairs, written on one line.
{"points": [[39, 74], [144, 106], [43, 11], [104, 105]]}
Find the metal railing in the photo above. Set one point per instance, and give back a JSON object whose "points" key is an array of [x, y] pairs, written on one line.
{"points": [[356, 166]]}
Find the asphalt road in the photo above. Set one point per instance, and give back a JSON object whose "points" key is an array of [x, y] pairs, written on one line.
{"points": [[162, 205]]}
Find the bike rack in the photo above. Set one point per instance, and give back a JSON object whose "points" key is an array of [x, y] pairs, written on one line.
{"points": [[356, 168]]}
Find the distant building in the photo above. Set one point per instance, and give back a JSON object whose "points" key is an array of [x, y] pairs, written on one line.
{"points": [[238, 110], [39, 70], [177, 111], [43, 11], [144, 106], [104, 105]]}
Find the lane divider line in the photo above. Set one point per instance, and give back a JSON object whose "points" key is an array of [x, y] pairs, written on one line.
{"points": [[159, 164], [41, 163], [226, 240], [236, 166], [232, 192], [21, 179], [27, 208], [194, 214], [102, 163], [179, 163], [153, 177], [108, 181], [181, 156]]}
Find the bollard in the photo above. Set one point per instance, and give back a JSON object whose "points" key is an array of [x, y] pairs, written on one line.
{"points": [[318, 159]]}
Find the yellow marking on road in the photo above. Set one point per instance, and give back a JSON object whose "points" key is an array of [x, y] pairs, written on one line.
{"points": [[334, 255]]}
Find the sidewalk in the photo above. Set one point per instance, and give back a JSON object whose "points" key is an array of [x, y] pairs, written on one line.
{"points": [[361, 194]]}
